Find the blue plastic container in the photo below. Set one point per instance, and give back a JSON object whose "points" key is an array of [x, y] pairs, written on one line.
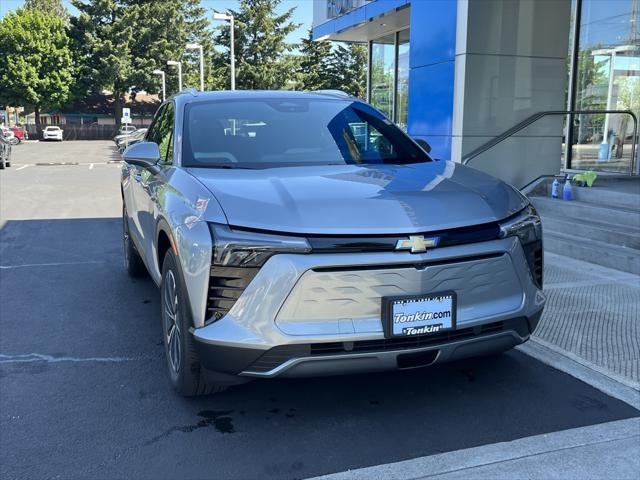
{"points": [[566, 190]]}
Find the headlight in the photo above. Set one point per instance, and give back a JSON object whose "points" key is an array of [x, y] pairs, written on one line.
{"points": [[239, 248], [526, 225]]}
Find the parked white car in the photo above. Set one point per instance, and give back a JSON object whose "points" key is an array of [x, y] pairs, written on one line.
{"points": [[52, 133]]}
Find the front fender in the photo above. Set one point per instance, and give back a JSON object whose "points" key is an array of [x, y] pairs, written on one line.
{"points": [[182, 204], [195, 247]]}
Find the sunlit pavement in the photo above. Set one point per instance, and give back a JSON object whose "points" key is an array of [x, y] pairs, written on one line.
{"points": [[84, 392]]}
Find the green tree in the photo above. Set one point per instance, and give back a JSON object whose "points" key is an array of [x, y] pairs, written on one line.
{"points": [[103, 39], [197, 28], [351, 65], [51, 7], [347, 69], [120, 42], [315, 64], [35, 62], [261, 48], [158, 35]]}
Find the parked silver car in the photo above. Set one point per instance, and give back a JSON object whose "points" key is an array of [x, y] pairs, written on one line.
{"points": [[298, 234], [131, 139], [123, 132]]}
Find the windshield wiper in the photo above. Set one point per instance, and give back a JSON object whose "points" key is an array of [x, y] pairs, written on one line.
{"points": [[224, 165]]}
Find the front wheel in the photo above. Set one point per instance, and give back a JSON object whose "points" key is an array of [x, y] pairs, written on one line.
{"points": [[186, 373]]}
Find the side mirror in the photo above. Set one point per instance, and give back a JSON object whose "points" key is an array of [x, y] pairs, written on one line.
{"points": [[142, 154], [424, 144]]}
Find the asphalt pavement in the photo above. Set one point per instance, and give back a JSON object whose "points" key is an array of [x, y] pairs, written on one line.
{"points": [[83, 385]]}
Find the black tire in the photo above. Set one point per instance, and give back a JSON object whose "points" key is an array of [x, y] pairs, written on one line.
{"points": [[186, 373], [2, 165], [132, 260], [8, 164]]}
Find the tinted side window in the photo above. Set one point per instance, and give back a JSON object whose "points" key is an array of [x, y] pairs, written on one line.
{"points": [[165, 133], [161, 132], [152, 133]]}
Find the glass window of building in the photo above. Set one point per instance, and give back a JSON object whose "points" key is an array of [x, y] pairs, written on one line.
{"points": [[608, 78], [389, 76], [383, 64], [402, 92]]}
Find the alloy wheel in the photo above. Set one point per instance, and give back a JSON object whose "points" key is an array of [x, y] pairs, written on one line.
{"points": [[172, 322]]}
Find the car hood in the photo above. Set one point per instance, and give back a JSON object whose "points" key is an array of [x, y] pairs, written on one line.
{"points": [[360, 199]]}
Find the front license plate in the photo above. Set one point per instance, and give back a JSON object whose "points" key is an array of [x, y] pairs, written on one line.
{"points": [[419, 315]]}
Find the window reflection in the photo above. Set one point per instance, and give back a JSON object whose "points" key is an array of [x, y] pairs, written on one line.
{"points": [[383, 66], [389, 80], [402, 99], [608, 79]]}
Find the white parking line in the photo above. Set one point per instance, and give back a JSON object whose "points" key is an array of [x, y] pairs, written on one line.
{"points": [[26, 265], [37, 357], [91, 166], [22, 167]]}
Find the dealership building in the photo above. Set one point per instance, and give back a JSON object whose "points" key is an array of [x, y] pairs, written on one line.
{"points": [[490, 81]]}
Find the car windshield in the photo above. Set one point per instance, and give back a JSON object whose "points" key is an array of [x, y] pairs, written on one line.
{"points": [[52, 128], [264, 133]]}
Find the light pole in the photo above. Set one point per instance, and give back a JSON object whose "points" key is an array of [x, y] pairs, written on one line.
{"points": [[228, 17], [196, 46], [179, 65], [164, 86]]}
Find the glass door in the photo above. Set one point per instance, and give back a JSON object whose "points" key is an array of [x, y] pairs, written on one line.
{"points": [[608, 78]]}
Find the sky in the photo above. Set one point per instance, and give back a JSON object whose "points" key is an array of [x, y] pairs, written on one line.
{"points": [[303, 13]]}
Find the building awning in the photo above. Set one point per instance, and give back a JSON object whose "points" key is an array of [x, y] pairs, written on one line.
{"points": [[368, 22]]}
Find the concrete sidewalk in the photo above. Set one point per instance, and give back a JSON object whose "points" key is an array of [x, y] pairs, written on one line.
{"points": [[593, 315]]}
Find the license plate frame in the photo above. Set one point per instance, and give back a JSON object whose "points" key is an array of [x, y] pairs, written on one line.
{"points": [[388, 312]]}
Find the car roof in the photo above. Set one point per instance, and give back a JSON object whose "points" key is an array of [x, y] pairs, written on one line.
{"points": [[194, 96]]}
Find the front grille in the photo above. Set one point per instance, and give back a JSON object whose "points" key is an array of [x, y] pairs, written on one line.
{"points": [[534, 256], [226, 284], [381, 243], [279, 355]]}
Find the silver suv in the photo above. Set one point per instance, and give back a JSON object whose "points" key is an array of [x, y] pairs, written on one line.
{"points": [[299, 234]]}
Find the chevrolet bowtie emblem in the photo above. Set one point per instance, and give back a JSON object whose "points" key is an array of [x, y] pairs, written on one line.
{"points": [[417, 243]]}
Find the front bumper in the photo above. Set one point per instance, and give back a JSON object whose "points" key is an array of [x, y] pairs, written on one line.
{"points": [[319, 314]]}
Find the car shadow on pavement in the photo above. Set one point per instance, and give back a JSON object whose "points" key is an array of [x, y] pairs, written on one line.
{"points": [[65, 295]]}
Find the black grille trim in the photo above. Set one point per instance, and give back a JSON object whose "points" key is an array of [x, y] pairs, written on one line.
{"points": [[328, 243], [535, 259], [226, 284], [279, 355]]}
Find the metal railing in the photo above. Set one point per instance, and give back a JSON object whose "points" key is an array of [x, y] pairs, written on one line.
{"points": [[537, 116]]}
